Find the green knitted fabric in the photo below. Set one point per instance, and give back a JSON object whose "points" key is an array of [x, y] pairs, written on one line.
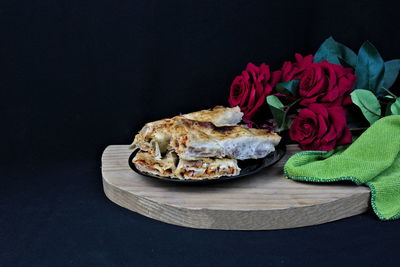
{"points": [[373, 159]]}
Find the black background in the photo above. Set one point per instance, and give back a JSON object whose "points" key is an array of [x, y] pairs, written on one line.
{"points": [[77, 76]]}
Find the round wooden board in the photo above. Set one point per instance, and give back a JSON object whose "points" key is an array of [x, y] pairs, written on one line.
{"points": [[264, 201]]}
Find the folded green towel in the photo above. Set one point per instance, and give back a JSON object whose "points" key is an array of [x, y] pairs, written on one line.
{"points": [[373, 159]]}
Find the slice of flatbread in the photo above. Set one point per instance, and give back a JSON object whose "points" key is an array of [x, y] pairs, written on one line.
{"points": [[194, 139], [145, 162], [206, 168], [171, 166], [155, 136]]}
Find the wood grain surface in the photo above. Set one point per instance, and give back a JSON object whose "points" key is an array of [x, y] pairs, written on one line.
{"points": [[264, 201]]}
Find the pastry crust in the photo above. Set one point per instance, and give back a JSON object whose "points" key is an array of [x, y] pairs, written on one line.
{"points": [[218, 115], [200, 145], [193, 139], [171, 166], [145, 162], [155, 136], [206, 168]]}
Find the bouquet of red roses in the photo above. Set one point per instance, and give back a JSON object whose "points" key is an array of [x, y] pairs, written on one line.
{"points": [[319, 98]]}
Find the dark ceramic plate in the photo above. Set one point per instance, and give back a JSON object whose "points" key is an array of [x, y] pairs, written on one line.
{"points": [[248, 167]]}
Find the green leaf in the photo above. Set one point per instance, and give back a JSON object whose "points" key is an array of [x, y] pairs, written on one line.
{"points": [[347, 54], [389, 97], [370, 68], [336, 53], [368, 103], [395, 107], [392, 69], [288, 87], [277, 110], [329, 51]]}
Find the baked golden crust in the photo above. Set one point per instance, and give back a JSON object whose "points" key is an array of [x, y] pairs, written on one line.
{"points": [[200, 145], [207, 129], [154, 137], [171, 166], [218, 115], [206, 168], [193, 139], [146, 162]]}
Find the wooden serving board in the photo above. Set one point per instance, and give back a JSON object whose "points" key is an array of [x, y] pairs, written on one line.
{"points": [[263, 201]]}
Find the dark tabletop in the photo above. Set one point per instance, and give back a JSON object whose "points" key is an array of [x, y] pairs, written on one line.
{"points": [[60, 215], [76, 76]]}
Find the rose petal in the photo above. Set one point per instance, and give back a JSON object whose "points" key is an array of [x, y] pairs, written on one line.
{"points": [[244, 97], [308, 59], [264, 70], [252, 97], [275, 77], [307, 101]]}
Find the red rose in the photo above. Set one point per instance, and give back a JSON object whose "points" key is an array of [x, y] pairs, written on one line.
{"points": [[292, 71], [249, 90], [326, 83], [319, 127]]}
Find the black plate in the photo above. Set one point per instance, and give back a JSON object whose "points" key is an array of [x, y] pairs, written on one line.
{"points": [[248, 167]]}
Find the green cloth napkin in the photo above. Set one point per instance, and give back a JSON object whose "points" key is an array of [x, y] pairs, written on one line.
{"points": [[373, 160]]}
